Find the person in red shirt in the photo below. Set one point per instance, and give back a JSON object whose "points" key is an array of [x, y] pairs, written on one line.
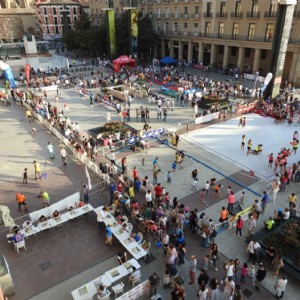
{"points": [[271, 158], [239, 226], [135, 174], [120, 187], [158, 191]]}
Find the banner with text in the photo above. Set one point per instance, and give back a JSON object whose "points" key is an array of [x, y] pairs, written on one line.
{"points": [[134, 30], [111, 32]]}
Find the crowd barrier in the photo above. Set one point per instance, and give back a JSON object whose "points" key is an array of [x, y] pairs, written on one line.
{"points": [[206, 118]]}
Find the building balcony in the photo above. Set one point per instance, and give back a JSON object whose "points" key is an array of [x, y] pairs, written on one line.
{"points": [[142, 2], [166, 1], [184, 16], [175, 1], [253, 15], [185, 1], [221, 14], [237, 15], [271, 15], [207, 15], [195, 16], [156, 16], [175, 16], [166, 16]]}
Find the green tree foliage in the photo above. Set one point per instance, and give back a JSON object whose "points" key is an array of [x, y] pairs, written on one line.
{"points": [[85, 37]]}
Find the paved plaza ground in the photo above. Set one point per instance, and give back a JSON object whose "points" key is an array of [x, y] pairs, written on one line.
{"points": [[65, 258]]}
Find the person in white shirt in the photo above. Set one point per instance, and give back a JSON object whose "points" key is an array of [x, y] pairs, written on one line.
{"points": [[280, 287], [51, 150], [229, 288], [63, 154], [253, 248], [100, 218], [286, 214]]}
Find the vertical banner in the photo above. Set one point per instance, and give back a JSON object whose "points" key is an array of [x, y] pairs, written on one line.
{"points": [[134, 30], [27, 73], [111, 32]]}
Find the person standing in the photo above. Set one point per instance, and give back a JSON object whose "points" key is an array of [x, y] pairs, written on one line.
{"points": [[85, 191], [46, 198], [280, 287], [243, 142], [63, 154], [231, 201], [51, 150], [37, 169], [239, 226], [155, 175], [192, 269], [253, 248], [153, 282], [292, 200], [264, 200], [214, 255], [100, 217], [229, 287], [213, 289], [112, 189], [260, 276], [275, 189], [165, 112], [251, 225], [25, 175], [108, 231]]}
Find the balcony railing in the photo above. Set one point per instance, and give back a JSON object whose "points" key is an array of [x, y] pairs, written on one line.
{"points": [[166, 1], [156, 16], [271, 15], [207, 15], [236, 14], [184, 16], [254, 15], [175, 16], [195, 16], [221, 14], [166, 16]]}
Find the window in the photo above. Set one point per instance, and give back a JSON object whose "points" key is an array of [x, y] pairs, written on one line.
{"points": [[158, 27], [254, 8], [207, 28], [175, 27], [222, 9], [221, 49], [233, 51], [56, 30], [235, 30], [185, 28], [197, 10], [55, 21], [45, 12], [74, 10], [251, 32], [196, 27], [185, 10], [167, 11], [54, 10], [46, 20], [47, 29], [208, 9], [221, 29], [69, 20], [269, 31], [273, 9], [248, 52], [263, 54], [166, 27], [238, 7]]}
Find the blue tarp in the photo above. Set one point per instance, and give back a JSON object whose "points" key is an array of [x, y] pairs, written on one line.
{"points": [[168, 61]]}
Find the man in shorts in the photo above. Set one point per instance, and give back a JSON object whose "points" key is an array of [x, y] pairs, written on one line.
{"points": [[21, 199]]}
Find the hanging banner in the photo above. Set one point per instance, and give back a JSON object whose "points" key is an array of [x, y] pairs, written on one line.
{"points": [[111, 32], [134, 30]]}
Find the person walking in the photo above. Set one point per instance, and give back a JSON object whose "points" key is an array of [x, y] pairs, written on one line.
{"points": [[253, 248], [214, 255], [278, 265], [229, 287], [280, 287], [21, 200], [165, 112], [275, 189], [63, 154], [155, 175], [292, 200], [51, 150], [251, 225], [153, 282], [213, 289], [108, 232], [45, 197], [249, 146], [260, 276], [239, 226], [37, 170], [243, 142], [230, 201]]}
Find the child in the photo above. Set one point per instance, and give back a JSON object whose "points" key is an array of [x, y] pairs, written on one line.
{"points": [[244, 273], [242, 198], [25, 176], [169, 177], [174, 166], [195, 184], [143, 163], [251, 273], [205, 261], [147, 146]]}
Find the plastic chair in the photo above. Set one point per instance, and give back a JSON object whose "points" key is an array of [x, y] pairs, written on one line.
{"points": [[135, 280], [106, 297], [118, 289], [20, 245]]}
